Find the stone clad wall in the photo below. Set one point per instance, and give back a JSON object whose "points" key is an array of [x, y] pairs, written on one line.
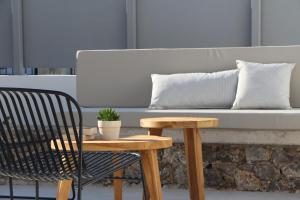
{"points": [[235, 167], [240, 167], [263, 166]]}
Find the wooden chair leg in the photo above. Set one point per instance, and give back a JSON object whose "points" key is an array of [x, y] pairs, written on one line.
{"points": [[193, 152], [118, 185], [63, 189], [151, 171]]}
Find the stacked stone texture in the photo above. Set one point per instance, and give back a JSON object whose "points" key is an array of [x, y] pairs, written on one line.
{"points": [[245, 167], [236, 167]]}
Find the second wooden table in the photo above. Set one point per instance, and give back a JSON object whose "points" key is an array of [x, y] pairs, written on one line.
{"points": [[192, 142], [146, 145]]}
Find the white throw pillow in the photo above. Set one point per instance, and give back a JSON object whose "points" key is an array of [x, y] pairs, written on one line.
{"points": [[263, 85], [194, 90]]}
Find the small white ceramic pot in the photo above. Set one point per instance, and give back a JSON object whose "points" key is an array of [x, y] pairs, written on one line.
{"points": [[109, 130]]}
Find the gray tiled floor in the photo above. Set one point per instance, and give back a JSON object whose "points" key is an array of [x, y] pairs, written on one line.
{"points": [[105, 193]]}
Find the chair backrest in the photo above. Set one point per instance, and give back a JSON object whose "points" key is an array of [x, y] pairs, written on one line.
{"points": [[32, 119]]}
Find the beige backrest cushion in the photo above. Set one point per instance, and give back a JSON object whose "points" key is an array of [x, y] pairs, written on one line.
{"points": [[121, 78]]}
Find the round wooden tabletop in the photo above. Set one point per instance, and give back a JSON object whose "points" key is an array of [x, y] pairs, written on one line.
{"points": [[132, 143], [179, 122]]}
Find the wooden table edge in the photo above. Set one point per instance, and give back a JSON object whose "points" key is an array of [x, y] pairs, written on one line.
{"points": [[132, 143], [175, 122]]}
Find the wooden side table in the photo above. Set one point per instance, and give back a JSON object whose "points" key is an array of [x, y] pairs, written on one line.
{"points": [[192, 142], [145, 144]]}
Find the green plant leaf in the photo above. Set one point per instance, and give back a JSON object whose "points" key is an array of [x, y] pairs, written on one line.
{"points": [[108, 114]]}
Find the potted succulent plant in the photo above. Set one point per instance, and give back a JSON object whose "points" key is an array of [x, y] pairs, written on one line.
{"points": [[109, 124]]}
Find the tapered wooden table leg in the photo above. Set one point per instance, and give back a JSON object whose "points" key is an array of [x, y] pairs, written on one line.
{"points": [[155, 131], [118, 185], [193, 151], [151, 172], [63, 189]]}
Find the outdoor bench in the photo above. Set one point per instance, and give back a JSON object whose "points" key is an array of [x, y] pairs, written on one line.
{"points": [[122, 79], [252, 150]]}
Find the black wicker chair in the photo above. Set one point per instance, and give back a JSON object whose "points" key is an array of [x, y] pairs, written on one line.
{"points": [[30, 119]]}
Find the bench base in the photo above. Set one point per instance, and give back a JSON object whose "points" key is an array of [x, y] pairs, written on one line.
{"points": [[231, 136]]}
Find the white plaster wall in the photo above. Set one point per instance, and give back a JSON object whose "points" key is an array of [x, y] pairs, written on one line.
{"points": [[64, 83], [230, 136]]}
